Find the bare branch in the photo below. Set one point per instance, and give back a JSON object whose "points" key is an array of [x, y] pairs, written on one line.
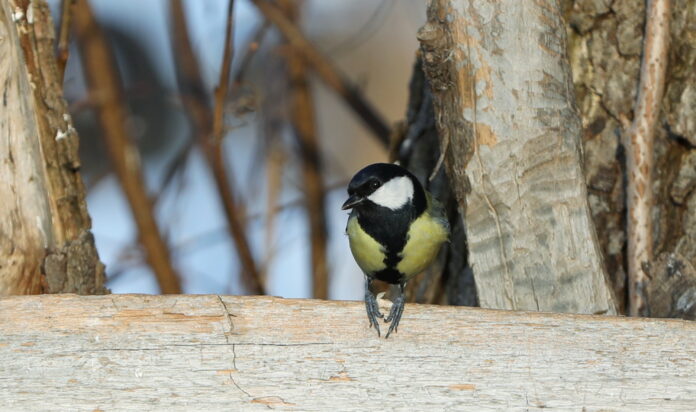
{"points": [[224, 82], [99, 66], [63, 51], [197, 104], [639, 156], [328, 73], [302, 117], [248, 55]]}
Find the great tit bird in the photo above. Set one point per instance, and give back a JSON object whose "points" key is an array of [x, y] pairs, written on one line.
{"points": [[395, 230]]}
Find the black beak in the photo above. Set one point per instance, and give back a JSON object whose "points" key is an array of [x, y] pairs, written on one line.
{"points": [[352, 202]]}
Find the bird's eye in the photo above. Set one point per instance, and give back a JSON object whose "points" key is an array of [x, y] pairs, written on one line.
{"points": [[375, 184]]}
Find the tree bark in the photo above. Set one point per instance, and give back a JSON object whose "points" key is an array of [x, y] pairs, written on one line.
{"points": [[416, 146], [505, 110], [605, 47], [246, 353], [45, 240]]}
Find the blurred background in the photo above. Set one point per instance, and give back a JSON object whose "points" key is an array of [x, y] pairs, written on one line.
{"points": [[372, 43]]}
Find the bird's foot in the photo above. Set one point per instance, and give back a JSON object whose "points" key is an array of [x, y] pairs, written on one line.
{"points": [[395, 313], [372, 310]]}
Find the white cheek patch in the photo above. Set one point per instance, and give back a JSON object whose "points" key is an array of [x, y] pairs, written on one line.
{"points": [[394, 194]]}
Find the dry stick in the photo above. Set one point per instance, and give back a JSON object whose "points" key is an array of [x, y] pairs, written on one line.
{"points": [[639, 157], [302, 117], [326, 70], [99, 64], [63, 51], [196, 102]]}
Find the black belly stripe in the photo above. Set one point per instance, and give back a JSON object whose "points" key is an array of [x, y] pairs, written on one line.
{"points": [[389, 275], [390, 229]]}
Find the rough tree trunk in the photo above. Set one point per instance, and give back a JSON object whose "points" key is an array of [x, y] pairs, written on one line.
{"points": [[507, 120], [45, 240], [605, 46]]}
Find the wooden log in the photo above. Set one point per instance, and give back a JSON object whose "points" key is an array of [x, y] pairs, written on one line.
{"points": [[178, 352]]}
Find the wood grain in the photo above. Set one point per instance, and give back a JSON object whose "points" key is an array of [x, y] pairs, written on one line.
{"points": [[179, 352]]}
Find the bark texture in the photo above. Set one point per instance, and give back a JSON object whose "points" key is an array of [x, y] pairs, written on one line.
{"points": [[605, 45], [506, 114], [181, 353], [45, 240]]}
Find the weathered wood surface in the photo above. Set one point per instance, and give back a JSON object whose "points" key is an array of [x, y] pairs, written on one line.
{"points": [[126, 352], [506, 114]]}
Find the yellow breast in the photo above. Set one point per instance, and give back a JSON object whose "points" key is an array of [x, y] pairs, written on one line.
{"points": [[424, 240], [368, 253]]}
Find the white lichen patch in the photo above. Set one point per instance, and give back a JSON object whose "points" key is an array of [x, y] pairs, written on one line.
{"points": [[17, 15]]}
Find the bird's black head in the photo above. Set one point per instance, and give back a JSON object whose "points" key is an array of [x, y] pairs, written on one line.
{"points": [[385, 185]]}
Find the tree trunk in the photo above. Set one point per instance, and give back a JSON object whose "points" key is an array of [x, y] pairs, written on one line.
{"points": [[45, 239], [508, 123], [605, 50]]}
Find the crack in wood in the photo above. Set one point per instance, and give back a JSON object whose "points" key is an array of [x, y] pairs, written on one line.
{"points": [[227, 315]]}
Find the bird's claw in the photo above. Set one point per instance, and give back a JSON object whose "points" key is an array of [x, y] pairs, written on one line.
{"points": [[395, 313], [372, 310]]}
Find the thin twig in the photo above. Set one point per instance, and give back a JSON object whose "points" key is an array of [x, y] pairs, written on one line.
{"points": [[328, 73], [63, 51], [639, 156], [275, 162], [224, 81], [273, 127], [99, 66], [179, 161], [196, 101], [302, 118], [244, 62], [128, 257]]}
